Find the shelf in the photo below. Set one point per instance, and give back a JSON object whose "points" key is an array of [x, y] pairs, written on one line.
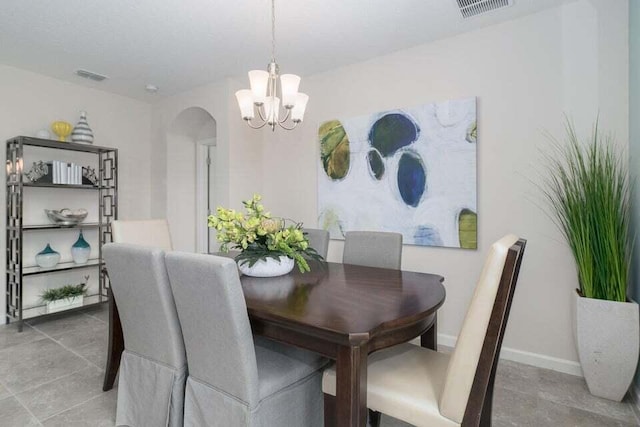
{"points": [[56, 226], [106, 163], [41, 310], [61, 266], [72, 146], [49, 185]]}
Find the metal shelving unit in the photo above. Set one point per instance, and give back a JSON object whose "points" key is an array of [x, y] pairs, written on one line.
{"points": [[107, 188]]}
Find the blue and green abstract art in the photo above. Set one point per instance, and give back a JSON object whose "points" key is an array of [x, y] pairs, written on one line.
{"points": [[411, 171]]}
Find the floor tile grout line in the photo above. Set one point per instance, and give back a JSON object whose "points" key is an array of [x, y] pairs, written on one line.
{"points": [[67, 348], [73, 407], [15, 394], [54, 380], [94, 317], [27, 409], [11, 347]]}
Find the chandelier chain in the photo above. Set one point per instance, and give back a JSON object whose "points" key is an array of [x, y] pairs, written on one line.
{"points": [[273, 31]]}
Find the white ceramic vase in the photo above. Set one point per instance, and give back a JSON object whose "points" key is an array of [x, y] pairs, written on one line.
{"points": [[82, 132], [607, 337], [268, 268]]}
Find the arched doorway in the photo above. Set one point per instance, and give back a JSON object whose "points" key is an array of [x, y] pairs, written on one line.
{"points": [[191, 152]]}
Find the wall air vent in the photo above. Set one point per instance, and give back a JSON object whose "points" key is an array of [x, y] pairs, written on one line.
{"points": [[470, 8], [91, 76]]}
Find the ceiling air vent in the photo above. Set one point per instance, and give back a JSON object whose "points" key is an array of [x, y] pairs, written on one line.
{"points": [[91, 76], [470, 8]]}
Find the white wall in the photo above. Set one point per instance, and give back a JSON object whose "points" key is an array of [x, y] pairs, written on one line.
{"points": [[29, 102], [174, 171], [526, 73], [238, 160]]}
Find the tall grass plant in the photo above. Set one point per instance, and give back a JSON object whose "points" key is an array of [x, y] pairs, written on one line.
{"points": [[588, 192]]}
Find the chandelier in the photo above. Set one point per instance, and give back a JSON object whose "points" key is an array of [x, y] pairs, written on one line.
{"points": [[263, 95]]}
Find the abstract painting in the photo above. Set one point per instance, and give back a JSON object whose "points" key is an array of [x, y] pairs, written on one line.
{"points": [[411, 171]]}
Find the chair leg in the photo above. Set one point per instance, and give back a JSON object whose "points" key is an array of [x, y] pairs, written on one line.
{"points": [[374, 418], [329, 411], [116, 345], [485, 417]]}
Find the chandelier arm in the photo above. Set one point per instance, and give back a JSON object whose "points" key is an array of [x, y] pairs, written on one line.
{"points": [[262, 116], [286, 127], [286, 115], [252, 126]]}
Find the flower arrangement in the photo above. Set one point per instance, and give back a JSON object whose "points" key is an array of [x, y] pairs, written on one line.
{"points": [[259, 236]]}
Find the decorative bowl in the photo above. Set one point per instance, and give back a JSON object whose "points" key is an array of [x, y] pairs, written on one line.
{"points": [[66, 216], [62, 129], [268, 268]]}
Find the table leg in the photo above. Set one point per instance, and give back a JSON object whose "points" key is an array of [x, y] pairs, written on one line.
{"points": [[351, 386], [116, 345], [430, 338], [330, 411]]}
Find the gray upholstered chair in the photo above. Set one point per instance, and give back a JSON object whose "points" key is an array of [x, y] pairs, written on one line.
{"points": [[318, 240], [147, 232], [234, 381], [153, 367], [427, 388], [373, 249]]}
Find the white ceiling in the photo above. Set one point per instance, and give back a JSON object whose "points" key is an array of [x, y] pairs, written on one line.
{"points": [[180, 44]]}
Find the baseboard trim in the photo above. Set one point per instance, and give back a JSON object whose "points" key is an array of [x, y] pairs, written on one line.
{"points": [[526, 357]]}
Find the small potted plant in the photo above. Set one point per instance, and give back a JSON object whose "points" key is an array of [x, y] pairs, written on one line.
{"points": [[588, 192], [65, 297], [268, 247]]}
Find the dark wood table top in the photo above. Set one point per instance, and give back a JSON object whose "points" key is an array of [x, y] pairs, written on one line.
{"points": [[344, 303]]}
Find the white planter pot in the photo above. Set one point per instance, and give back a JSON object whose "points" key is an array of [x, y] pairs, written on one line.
{"points": [[607, 337], [64, 304], [268, 268]]}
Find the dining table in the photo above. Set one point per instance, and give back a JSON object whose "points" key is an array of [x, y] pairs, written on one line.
{"points": [[341, 311]]}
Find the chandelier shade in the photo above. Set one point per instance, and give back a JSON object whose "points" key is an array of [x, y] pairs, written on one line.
{"points": [[245, 102], [268, 88]]}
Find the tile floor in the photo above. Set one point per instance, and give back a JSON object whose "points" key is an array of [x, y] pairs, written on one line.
{"points": [[51, 375]]}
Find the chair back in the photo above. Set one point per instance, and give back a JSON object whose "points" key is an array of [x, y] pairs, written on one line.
{"points": [[318, 240], [468, 387], [140, 286], [215, 323], [148, 232], [373, 249]]}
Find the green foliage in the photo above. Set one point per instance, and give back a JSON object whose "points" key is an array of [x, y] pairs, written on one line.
{"points": [[259, 236], [65, 292], [588, 192]]}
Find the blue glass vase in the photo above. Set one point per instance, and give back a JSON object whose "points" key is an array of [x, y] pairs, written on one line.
{"points": [[80, 250], [47, 258]]}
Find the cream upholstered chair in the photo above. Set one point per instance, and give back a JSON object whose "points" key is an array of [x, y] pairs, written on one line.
{"points": [[147, 232], [236, 379], [153, 368], [427, 388], [373, 249], [318, 240]]}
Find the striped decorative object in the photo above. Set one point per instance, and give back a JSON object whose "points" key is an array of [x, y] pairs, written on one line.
{"points": [[82, 132]]}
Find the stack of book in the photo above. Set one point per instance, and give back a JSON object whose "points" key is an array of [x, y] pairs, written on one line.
{"points": [[66, 173]]}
